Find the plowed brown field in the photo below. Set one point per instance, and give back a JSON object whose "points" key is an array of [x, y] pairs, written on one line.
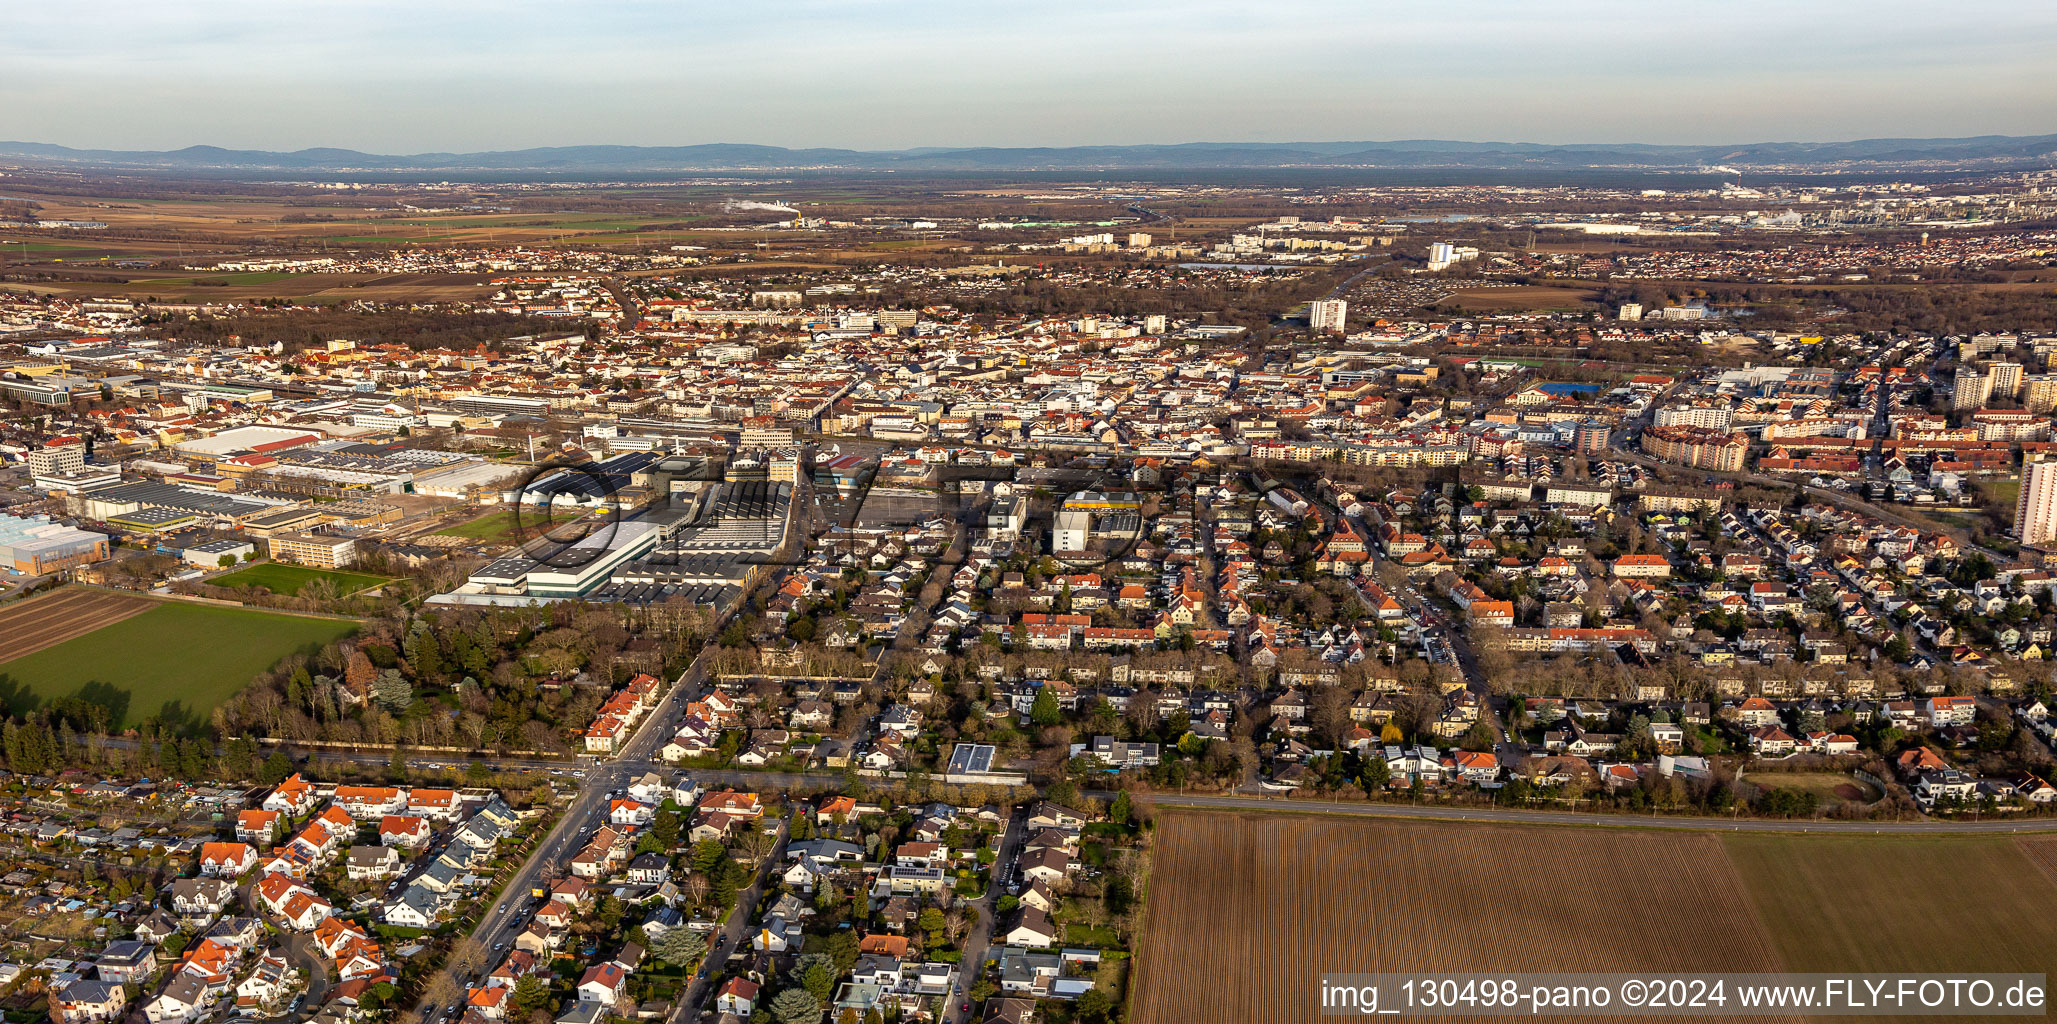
{"points": [[1247, 911], [2043, 854], [46, 620]]}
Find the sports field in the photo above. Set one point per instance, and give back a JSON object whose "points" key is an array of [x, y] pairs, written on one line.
{"points": [[176, 657], [1246, 911], [280, 578]]}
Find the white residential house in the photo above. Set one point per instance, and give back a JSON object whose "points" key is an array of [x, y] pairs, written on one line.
{"points": [[199, 898], [183, 999], [737, 996], [373, 862], [630, 812], [227, 860], [267, 982], [1032, 928], [86, 1002]]}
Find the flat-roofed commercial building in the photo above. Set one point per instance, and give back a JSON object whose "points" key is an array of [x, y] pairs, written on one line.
{"points": [[246, 441], [37, 545], [90, 478], [501, 405], [68, 458], [153, 520], [208, 555], [125, 499], [476, 481], [313, 549], [289, 519], [585, 565], [361, 514], [51, 389]]}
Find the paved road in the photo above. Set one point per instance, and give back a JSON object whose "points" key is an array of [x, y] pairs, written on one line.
{"points": [[502, 921], [974, 962], [631, 314], [1432, 812], [302, 953], [1343, 287], [731, 940]]}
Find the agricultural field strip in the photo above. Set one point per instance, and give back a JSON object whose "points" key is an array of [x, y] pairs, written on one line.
{"points": [[2043, 854], [1231, 890], [1836, 903], [1601, 820], [32, 625], [179, 656]]}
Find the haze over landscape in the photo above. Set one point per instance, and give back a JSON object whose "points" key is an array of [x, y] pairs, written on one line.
{"points": [[399, 77], [1871, 154], [917, 512]]}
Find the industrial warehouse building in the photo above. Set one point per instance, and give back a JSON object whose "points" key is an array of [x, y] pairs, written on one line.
{"points": [[705, 546], [109, 503], [37, 545], [208, 554]]}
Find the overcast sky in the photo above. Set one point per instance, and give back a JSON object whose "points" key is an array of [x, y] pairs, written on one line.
{"points": [[422, 76]]}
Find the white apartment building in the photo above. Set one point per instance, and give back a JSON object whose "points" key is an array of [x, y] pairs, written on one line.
{"points": [[1325, 315], [2004, 379], [2035, 512], [1706, 417], [1970, 390]]}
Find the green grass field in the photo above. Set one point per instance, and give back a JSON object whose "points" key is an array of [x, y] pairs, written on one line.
{"points": [[485, 527], [179, 659], [43, 247], [280, 578], [1822, 784], [499, 525], [1866, 903], [240, 278]]}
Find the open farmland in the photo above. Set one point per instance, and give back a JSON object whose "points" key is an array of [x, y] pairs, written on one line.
{"points": [[280, 578], [2043, 853], [1230, 893], [1521, 297], [45, 620], [172, 658], [308, 288], [1837, 903]]}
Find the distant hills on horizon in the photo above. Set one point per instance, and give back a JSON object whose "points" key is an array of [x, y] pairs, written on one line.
{"points": [[1984, 152]]}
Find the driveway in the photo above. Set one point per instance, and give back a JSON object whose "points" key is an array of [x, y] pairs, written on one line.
{"points": [[303, 954]]}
